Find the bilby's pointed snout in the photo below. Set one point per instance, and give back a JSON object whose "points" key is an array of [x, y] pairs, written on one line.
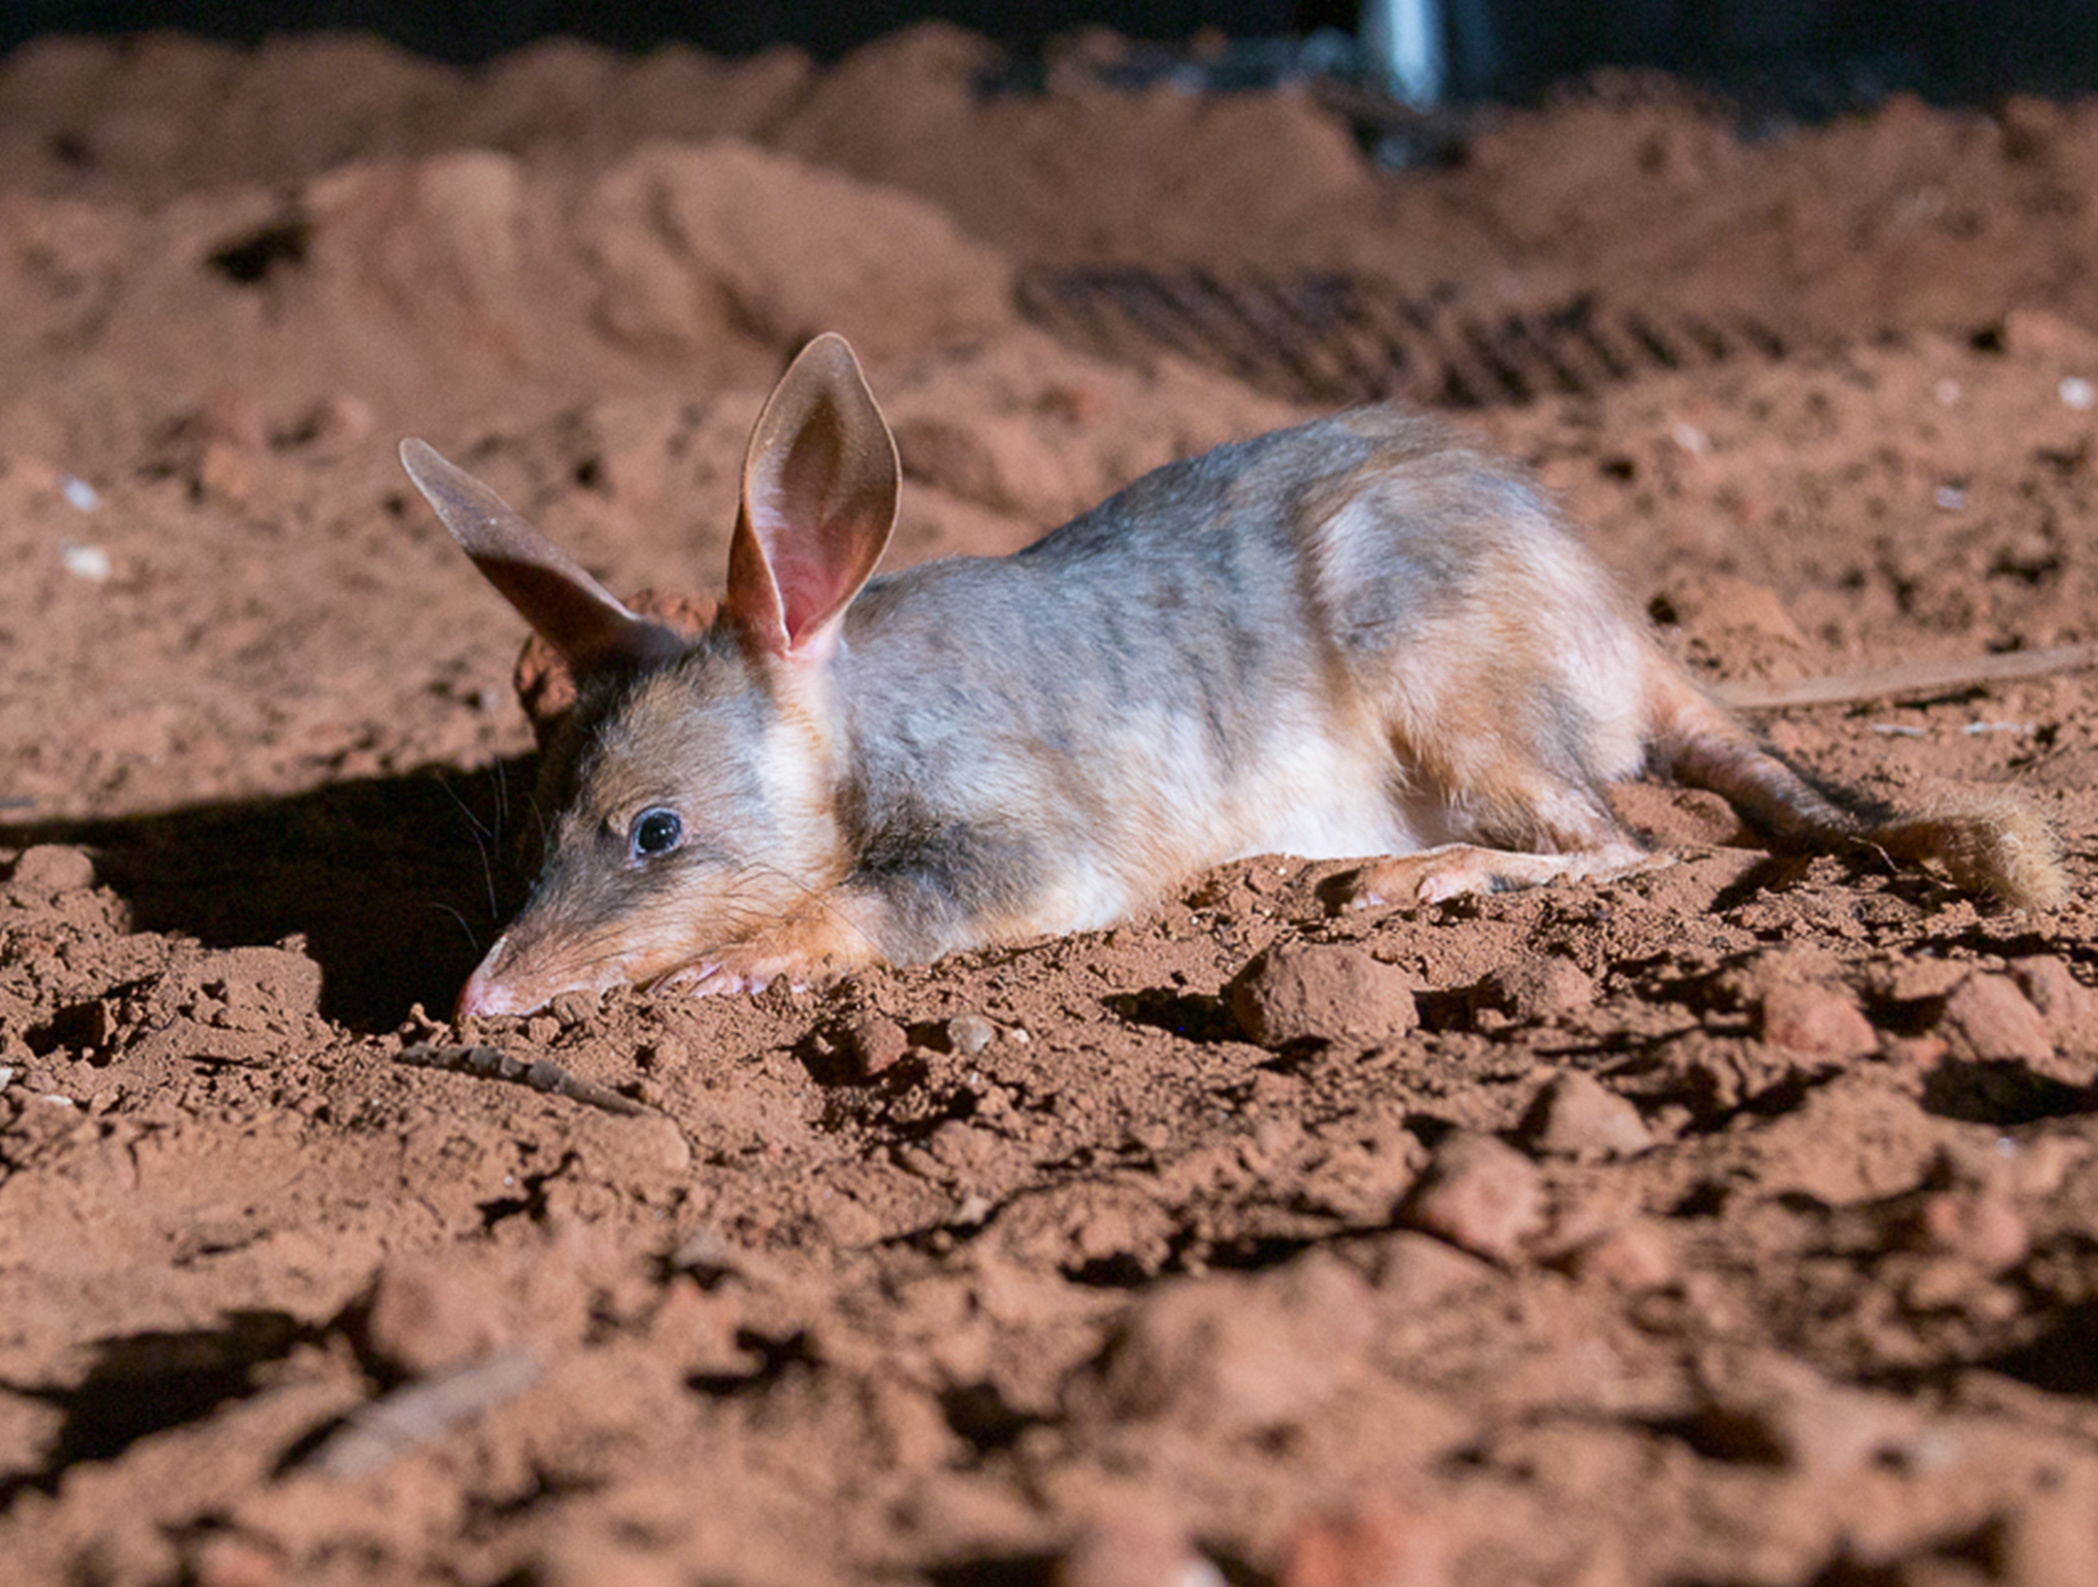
{"points": [[487, 993]]}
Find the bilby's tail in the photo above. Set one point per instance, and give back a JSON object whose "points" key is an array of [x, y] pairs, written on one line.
{"points": [[1993, 845]]}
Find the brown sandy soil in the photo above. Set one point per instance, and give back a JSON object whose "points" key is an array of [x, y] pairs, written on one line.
{"points": [[1735, 1224]]}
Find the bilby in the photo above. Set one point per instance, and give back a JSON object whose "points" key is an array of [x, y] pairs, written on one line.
{"points": [[1356, 637]]}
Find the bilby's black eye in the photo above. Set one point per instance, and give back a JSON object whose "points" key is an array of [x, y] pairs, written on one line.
{"points": [[655, 832]]}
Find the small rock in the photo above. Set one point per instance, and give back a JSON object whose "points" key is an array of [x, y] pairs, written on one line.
{"points": [[875, 1045], [1480, 1195], [970, 1034], [1977, 1222], [1986, 1017], [667, 1051], [1230, 1354], [2063, 1001], [573, 1008], [226, 1559], [1373, 1543], [426, 1312], [1534, 989], [1814, 1019], [86, 561], [1418, 1272], [1576, 1115], [1634, 1257], [50, 869], [1134, 1550], [1321, 992]]}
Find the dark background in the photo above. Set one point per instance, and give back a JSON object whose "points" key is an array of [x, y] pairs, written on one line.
{"points": [[1804, 55]]}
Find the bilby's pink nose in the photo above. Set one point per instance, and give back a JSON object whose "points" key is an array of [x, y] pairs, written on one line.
{"points": [[484, 993]]}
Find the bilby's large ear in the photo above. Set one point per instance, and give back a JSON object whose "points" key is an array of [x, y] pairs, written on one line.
{"points": [[820, 483], [565, 606]]}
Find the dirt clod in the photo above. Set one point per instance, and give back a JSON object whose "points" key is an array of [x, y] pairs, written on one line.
{"points": [[1986, 1017], [1232, 1355], [49, 869], [426, 1314], [1480, 1195], [1326, 992], [1576, 1115], [1816, 1020], [1534, 989], [875, 1044]]}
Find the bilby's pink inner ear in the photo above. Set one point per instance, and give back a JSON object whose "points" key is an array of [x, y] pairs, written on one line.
{"points": [[820, 483], [565, 606]]}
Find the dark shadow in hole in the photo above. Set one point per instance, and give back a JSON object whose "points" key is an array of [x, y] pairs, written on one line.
{"points": [[2063, 1360], [250, 259], [1718, 1433], [146, 1383], [2004, 1092], [1004, 1570], [979, 1413], [1188, 1015], [774, 1360], [1120, 1270], [381, 875]]}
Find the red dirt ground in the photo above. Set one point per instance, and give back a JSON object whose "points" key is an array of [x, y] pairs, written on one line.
{"points": [[1734, 1225]]}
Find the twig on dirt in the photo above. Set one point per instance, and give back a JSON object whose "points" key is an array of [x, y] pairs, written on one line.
{"points": [[379, 1433], [1924, 677], [492, 1063]]}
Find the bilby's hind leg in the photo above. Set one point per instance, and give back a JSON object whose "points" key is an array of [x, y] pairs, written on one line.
{"points": [[1569, 832], [1452, 870]]}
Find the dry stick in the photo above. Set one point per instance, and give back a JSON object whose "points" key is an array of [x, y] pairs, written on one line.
{"points": [[491, 1063], [1932, 677], [377, 1434]]}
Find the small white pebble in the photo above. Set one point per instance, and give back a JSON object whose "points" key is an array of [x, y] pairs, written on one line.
{"points": [[1897, 730], [1997, 727], [1018, 1035], [970, 1033], [56, 1100], [85, 562], [80, 495], [2077, 392], [1947, 392], [7, 1075], [1949, 497], [1691, 439]]}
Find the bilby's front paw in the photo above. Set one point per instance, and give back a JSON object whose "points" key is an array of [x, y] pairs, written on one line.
{"points": [[732, 971]]}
